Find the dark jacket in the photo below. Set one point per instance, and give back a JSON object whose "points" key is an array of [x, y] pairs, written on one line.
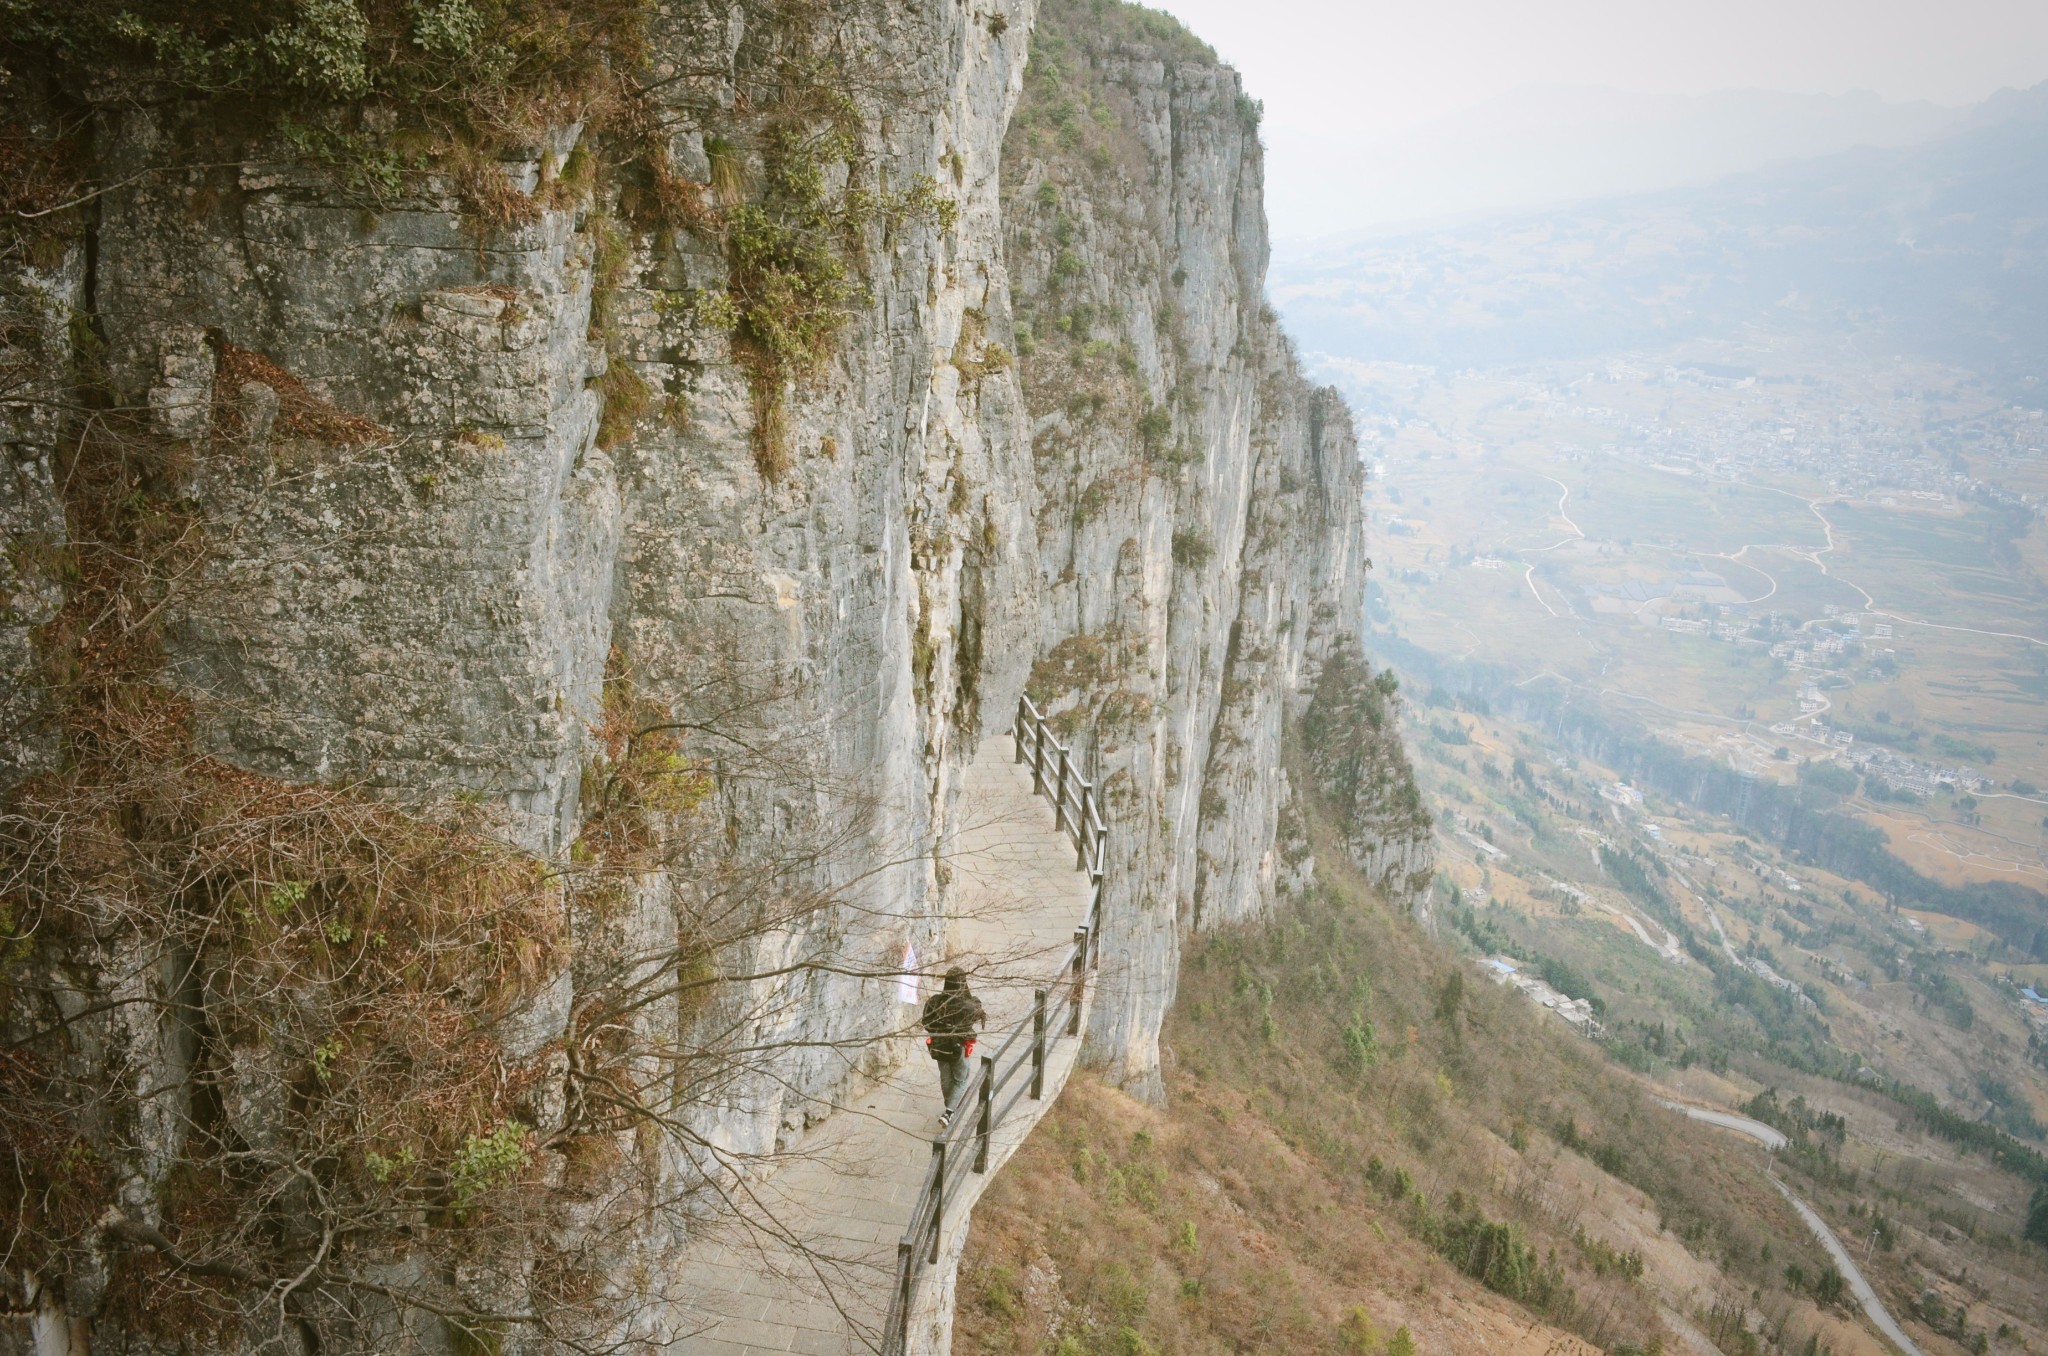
{"points": [[951, 1016]]}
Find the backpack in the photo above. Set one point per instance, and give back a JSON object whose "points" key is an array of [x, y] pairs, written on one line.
{"points": [[945, 1013]]}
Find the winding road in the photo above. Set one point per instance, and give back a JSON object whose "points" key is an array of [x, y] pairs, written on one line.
{"points": [[1813, 556], [1772, 1139], [1869, 603], [1769, 1136], [1873, 1307], [1564, 493]]}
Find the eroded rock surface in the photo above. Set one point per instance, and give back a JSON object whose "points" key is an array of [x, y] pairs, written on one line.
{"points": [[1200, 511], [461, 487]]}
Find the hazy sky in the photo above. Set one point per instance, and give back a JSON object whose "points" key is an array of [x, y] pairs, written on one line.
{"points": [[1364, 70], [1379, 65]]}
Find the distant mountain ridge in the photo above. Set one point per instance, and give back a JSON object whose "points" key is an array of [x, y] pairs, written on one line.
{"points": [[1939, 249], [1546, 145]]}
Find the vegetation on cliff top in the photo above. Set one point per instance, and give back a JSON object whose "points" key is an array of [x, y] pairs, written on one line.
{"points": [[494, 69], [388, 94], [1354, 752]]}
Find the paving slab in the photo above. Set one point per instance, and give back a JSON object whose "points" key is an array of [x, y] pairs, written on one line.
{"points": [[812, 1271]]}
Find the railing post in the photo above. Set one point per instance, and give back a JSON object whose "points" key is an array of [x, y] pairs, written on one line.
{"points": [[903, 1269], [938, 1195], [988, 1111], [1095, 926], [1038, 1046], [1023, 723], [1082, 833], [1037, 757], [1059, 802], [1081, 938]]}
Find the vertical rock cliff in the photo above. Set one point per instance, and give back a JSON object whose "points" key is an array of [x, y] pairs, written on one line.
{"points": [[529, 593], [1200, 512], [641, 481]]}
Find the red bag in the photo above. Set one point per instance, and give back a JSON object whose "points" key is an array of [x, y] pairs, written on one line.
{"points": [[967, 1050]]}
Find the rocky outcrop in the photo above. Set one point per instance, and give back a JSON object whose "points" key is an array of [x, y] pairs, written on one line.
{"points": [[1200, 511]]}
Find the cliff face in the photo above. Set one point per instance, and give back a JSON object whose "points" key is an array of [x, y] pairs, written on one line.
{"points": [[433, 614], [36, 305], [1200, 515], [473, 492], [508, 511]]}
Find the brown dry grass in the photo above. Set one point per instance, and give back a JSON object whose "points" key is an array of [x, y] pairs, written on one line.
{"points": [[350, 954], [1255, 1214], [1125, 1228], [300, 412]]}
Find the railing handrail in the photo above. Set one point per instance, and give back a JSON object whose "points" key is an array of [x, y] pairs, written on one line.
{"points": [[1055, 1015]]}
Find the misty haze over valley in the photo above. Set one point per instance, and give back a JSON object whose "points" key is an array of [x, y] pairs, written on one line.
{"points": [[1709, 463], [1546, 145]]}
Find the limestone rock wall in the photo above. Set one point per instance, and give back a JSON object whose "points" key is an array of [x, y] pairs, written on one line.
{"points": [[462, 487], [432, 609], [38, 299], [424, 607], [1199, 504], [431, 558]]}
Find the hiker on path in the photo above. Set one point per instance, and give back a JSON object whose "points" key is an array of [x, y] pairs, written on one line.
{"points": [[951, 1017]]}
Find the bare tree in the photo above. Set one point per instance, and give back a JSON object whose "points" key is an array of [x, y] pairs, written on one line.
{"points": [[296, 1066], [303, 1064]]}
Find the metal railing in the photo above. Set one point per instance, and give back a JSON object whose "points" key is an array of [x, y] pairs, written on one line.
{"points": [[1017, 1068]]}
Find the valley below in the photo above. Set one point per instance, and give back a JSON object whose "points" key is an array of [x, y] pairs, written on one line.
{"points": [[1724, 688]]}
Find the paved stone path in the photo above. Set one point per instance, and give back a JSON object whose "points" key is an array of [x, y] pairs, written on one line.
{"points": [[812, 1274]]}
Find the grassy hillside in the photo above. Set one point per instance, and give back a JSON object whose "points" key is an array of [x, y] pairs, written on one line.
{"points": [[1361, 1137]]}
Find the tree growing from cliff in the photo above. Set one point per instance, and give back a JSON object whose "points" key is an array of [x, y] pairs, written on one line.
{"points": [[1356, 763]]}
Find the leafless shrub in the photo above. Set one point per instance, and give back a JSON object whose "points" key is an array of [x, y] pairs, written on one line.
{"points": [[304, 1065]]}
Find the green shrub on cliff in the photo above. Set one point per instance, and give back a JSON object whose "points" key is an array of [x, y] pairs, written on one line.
{"points": [[1354, 753], [496, 67]]}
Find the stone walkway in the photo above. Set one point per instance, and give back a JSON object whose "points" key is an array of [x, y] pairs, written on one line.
{"points": [[813, 1273]]}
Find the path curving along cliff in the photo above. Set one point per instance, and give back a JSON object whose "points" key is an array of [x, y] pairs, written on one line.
{"points": [[817, 1256], [1199, 522]]}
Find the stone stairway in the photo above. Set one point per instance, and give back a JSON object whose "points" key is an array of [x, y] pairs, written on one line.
{"points": [[814, 1270]]}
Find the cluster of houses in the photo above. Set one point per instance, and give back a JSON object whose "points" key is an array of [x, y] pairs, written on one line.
{"points": [[1824, 647], [1882, 452], [1577, 1011], [1901, 773], [1812, 646], [1813, 651], [1892, 770], [1815, 731]]}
